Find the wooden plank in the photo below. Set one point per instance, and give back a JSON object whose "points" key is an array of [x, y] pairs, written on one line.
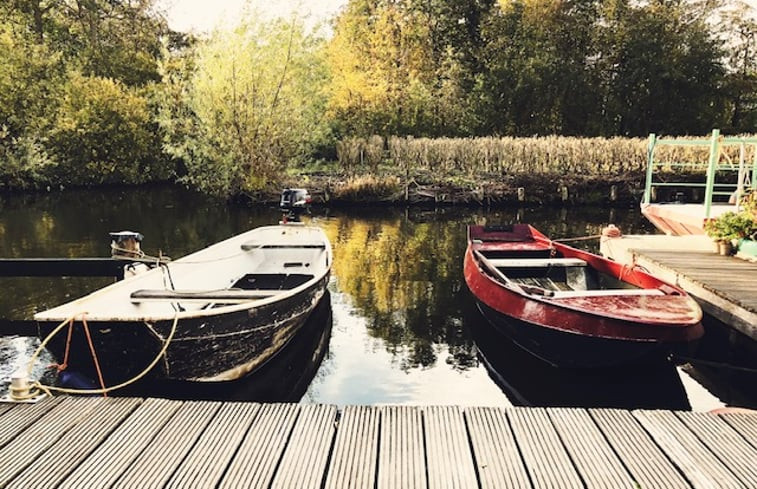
{"points": [[448, 454], [547, 460], [24, 448], [61, 459], [255, 463], [733, 450], [745, 424], [21, 416], [304, 461], [595, 459], [354, 458], [536, 262], [401, 461], [700, 466], [156, 464], [495, 450], [642, 457], [212, 452], [106, 464]]}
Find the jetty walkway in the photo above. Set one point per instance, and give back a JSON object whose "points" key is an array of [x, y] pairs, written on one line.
{"points": [[71, 442]]}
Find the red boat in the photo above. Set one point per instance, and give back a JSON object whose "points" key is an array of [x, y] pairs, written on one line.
{"points": [[572, 308]]}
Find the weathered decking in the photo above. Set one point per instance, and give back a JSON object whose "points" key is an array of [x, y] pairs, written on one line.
{"points": [[725, 287], [136, 443]]}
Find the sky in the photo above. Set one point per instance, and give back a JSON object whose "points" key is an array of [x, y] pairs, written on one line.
{"points": [[204, 15]]}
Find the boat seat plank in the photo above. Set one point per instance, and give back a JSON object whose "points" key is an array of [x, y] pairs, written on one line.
{"points": [[495, 450], [353, 461], [642, 457], [402, 463], [564, 294], [594, 457], [254, 464], [547, 461], [156, 464], [698, 463], [536, 262], [123, 446], [202, 295], [207, 461], [719, 437], [23, 449], [66, 453], [448, 454], [304, 461], [251, 246]]}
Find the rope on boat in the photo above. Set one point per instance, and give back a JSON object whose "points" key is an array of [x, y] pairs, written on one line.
{"points": [[580, 238], [35, 387]]}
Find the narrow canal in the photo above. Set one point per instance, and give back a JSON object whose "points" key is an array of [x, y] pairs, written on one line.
{"points": [[399, 327]]}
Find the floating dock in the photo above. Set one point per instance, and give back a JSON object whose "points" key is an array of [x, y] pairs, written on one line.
{"points": [[724, 286], [139, 443]]}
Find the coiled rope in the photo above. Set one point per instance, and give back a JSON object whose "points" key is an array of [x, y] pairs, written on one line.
{"points": [[36, 387]]}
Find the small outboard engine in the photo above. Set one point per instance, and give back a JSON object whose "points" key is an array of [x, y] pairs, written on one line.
{"points": [[126, 244], [294, 203]]}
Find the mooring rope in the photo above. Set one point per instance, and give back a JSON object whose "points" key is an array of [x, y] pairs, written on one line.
{"points": [[35, 387]]}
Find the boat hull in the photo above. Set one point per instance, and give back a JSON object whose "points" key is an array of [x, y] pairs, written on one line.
{"points": [[565, 349], [581, 328], [204, 348]]}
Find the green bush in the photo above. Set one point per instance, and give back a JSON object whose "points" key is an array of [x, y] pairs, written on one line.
{"points": [[103, 133]]}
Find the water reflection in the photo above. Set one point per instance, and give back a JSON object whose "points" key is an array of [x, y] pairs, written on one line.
{"points": [[528, 381], [402, 329]]}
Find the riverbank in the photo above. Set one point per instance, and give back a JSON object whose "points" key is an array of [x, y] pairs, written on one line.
{"points": [[485, 190]]}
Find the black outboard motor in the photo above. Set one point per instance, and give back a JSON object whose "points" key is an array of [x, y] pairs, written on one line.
{"points": [[294, 203]]}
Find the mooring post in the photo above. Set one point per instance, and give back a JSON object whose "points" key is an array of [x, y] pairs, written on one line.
{"points": [[613, 193], [521, 194], [564, 193]]}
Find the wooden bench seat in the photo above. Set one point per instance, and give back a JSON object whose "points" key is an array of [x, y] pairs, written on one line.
{"points": [[536, 262], [223, 295], [565, 294]]}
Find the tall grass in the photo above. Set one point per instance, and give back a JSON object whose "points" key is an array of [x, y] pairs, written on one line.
{"points": [[549, 155]]}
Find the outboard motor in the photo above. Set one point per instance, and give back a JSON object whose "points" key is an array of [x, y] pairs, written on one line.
{"points": [[294, 203], [126, 244]]}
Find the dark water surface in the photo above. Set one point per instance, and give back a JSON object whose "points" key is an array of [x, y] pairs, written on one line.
{"points": [[399, 326]]}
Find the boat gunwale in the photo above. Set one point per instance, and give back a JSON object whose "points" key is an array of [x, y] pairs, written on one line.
{"points": [[206, 312]]}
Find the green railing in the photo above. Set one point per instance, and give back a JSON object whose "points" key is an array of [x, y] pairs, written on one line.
{"points": [[718, 161]]}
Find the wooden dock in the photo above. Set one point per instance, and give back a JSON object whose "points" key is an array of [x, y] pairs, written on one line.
{"points": [[724, 286], [141, 443]]}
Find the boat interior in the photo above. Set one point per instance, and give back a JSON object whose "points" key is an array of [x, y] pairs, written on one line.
{"points": [[258, 265], [544, 271]]}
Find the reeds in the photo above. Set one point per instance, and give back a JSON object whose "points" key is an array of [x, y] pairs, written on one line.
{"points": [[548, 155]]}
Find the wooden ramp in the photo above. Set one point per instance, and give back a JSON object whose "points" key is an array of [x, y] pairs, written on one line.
{"points": [[145, 443], [724, 286]]}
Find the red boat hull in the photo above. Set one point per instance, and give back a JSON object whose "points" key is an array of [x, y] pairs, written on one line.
{"points": [[583, 331]]}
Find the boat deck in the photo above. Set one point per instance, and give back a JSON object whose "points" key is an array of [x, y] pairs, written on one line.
{"points": [[133, 442], [724, 286]]}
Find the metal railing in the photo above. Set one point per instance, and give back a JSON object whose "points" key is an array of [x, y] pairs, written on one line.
{"points": [[718, 160]]}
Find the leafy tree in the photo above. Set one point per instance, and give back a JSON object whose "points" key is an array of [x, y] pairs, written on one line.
{"points": [[245, 106], [103, 133], [740, 32]]}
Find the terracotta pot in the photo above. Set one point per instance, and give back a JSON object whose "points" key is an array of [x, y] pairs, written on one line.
{"points": [[725, 248]]}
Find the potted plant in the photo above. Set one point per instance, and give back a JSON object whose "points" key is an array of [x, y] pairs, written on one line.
{"points": [[748, 245], [729, 228]]}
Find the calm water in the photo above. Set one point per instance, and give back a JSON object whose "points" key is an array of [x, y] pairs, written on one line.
{"points": [[399, 326]]}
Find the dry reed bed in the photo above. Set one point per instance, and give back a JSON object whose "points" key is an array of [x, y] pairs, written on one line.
{"points": [[549, 155]]}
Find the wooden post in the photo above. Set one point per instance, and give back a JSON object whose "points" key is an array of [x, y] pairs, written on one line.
{"points": [[521, 194], [648, 189], [613, 193], [564, 193]]}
